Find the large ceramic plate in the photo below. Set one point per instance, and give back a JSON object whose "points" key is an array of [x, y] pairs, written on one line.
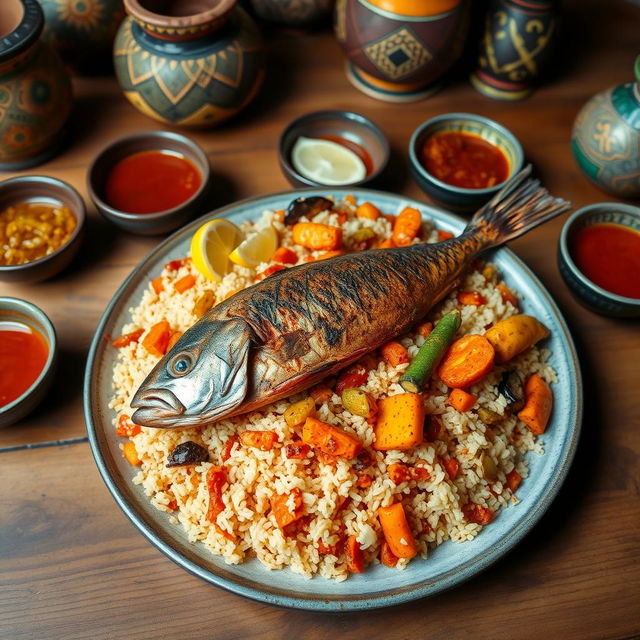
{"points": [[449, 564]]}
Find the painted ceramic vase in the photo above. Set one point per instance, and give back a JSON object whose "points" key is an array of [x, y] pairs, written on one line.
{"points": [[35, 90], [82, 31], [189, 67], [293, 13], [606, 139], [398, 49], [516, 47]]}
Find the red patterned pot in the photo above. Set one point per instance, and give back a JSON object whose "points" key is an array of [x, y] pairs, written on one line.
{"points": [[398, 49], [35, 91]]}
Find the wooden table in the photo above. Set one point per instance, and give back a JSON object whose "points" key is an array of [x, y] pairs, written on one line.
{"points": [[73, 567]]}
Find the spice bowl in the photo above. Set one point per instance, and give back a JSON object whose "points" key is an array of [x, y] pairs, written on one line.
{"points": [[157, 222], [43, 189], [587, 292], [452, 196], [347, 126], [17, 312]]}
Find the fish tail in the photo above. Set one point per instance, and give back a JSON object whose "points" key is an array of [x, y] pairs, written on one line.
{"points": [[519, 207]]}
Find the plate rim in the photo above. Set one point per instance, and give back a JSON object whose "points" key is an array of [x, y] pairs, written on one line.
{"points": [[451, 578]]}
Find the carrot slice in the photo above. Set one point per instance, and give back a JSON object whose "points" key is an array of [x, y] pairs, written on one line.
{"points": [[284, 255], [263, 440], [444, 235], [478, 514], [317, 237], [538, 404], [274, 268], [156, 341], [387, 557], [329, 439], [471, 298], [398, 472], [280, 507], [354, 376], [397, 533], [157, 285], [184, 283], [228, 447], [131, 454], [406, 226], [507, 294], [368, 211], [513, 480], [466, 361], [400, 422], [394, 353], [461, 400], [216, 479], [126, 339], [451, 466], [424, 329], [173, 338], [355, 559], [126, 428]]}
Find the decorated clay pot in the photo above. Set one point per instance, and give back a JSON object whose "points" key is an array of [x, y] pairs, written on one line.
{"points": [[82, 31], [35, 91], [606, 139], [398, 49], [191, 66], [294, 13], [516, 47]]}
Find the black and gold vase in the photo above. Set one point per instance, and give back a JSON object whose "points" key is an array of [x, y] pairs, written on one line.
{"points": [[516, 47]]}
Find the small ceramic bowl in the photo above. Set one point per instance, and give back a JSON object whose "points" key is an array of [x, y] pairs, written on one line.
{"points": [[16, 310], [459, 198], [344, 124], [588, 293], [160, 221], [43, 189]]}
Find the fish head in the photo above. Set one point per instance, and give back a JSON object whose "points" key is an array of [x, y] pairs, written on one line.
{"points": [[201, 380]]}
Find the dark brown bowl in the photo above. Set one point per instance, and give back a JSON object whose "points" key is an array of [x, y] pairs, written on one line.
{"points": [[346, 124], [43, 188], [148, 223]]}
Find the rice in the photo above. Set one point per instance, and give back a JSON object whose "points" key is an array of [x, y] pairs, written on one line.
{"points": [[334, 505]]}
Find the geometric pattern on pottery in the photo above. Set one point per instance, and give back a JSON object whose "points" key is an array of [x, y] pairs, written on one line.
{"points": [[398, 54], [84, 15]]}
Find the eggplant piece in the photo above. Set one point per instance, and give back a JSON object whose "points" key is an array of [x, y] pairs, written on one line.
{"points": [[488, 416], [308, 207], [187, 453], [511, 388]]}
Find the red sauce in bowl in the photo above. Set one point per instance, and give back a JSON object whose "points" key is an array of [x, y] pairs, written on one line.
{"points": [[609, 255], [359, 150], [151, 181], [23, 354], [464, 160]]}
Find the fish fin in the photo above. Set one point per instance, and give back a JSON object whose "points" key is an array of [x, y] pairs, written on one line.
{"points": [[291, 345], [516, 209]]}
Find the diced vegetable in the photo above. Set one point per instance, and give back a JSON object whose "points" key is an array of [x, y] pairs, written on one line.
{"points": [[278, 215], [511, 388], [157, 285], [173, 338], [461, 400], [285, 255], [280, 508], [398, 472], [269, 271], [387, 557], [126, 339], [488, 467], [326, 255], [433, 428], [355, 559], [394, 353], [362, 461], [388, 243], [514, 335], [489, 272], [350, 199], [360, 403], [478, 514], [430, 353], [186, 453], [157, 339], [126, 428], [131, 454], [406, 227], [397, 533], [444, 235], [368, 211], [354, 376], [420, 472], [204, 303], [307, 207], [317, 237], [451, 466], [400, 422], [228, 448], [488, 416], [174, 265], [263, 440], [471, 298], [321, 394], [466, 361], [424, 329], [363, 481], [297, 450], [507, 294], [326, 458], [538, 404], [216, 479], [513, 480], [296, 413], [330, 439], [184, 283]]}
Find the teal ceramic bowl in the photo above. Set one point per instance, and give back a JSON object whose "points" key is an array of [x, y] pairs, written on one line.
{"points": [[588, 293], [26, 313], [459, 198]]}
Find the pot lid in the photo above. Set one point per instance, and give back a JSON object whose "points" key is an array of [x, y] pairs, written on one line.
{"points": [[27, 28]]}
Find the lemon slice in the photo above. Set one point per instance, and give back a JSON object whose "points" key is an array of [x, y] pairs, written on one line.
{"points": [[327, 162], [256, 248], [211, 245]]}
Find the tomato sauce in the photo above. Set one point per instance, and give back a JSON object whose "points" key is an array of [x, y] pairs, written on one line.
{"points": [[151, 181], [23, 354], [360, 151], [464, 160], [609, 255]]}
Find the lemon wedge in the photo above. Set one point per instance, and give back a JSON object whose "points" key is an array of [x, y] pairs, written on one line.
{"points": [[327, 162], [211, 245], [257, 248]]}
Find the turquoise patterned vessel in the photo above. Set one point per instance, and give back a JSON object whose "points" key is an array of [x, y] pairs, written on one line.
{"points": [[606, 139]]}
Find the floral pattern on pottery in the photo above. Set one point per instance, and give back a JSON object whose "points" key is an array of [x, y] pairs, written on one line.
{"points": [[515, 48], [292, 12], [194, 82], [82, 31], [397, 49]]}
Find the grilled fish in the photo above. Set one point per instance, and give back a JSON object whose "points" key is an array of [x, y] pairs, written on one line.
{"points": [[286, 333]]}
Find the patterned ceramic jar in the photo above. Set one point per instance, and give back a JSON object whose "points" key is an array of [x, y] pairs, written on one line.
{"points": [[294, 13], [189, 67], [82, 31], [398, 49], [606, 139], [35, 91], [516, 47]]}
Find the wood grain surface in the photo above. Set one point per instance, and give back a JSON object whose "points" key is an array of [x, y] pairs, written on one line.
{"points": [[72, 566]]}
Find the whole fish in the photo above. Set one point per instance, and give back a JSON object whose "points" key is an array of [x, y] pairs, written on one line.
{"points": [[286, 333]]}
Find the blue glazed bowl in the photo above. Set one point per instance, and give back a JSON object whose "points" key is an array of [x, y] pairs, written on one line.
{"points": [[588, 293], [460, 198], [17, 310]]}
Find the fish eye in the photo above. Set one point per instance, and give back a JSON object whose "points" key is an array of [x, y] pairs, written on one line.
{"points": [[180, 364]]}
